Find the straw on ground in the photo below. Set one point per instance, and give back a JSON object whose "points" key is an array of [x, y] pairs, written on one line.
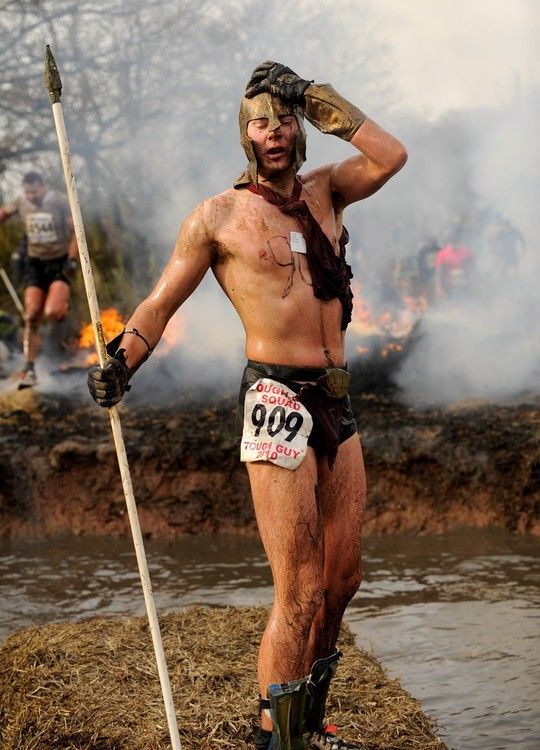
{"points": [[92, 685]]}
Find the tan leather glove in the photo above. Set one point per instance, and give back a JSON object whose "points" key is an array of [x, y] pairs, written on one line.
{"points": [[331, 113]]}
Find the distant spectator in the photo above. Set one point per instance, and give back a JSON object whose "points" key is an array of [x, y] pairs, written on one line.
{"points": [[505, 245], [426, 255], [453, 269]]}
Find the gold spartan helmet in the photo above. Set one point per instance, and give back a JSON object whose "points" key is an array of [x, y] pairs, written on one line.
{"points": [[271, 107]]}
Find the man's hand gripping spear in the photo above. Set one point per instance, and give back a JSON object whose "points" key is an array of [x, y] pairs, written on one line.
{"points": [[53, 85]]}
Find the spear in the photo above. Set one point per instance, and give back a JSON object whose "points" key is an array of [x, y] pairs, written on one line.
{"points": [[53, 84], [12, 293]]}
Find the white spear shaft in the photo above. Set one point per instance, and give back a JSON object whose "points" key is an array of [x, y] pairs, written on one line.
{"points": [[54, 87], [12, 293]]}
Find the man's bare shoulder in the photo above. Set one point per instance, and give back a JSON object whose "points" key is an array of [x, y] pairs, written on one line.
{"points": [[318, 175], [318, 180], [226, 200], [208, 210], [317, 184], [218, 210], [221, 205], [214, 222]]}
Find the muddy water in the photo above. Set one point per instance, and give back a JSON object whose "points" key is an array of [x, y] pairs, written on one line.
{"points": [[457, 618]]}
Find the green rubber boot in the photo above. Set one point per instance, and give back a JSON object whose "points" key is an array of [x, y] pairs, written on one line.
{"points": [[287, 709], [318, 684]]}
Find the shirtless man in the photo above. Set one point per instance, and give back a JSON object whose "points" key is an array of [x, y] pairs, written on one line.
{"points": [[51, 261], [273, 244]]}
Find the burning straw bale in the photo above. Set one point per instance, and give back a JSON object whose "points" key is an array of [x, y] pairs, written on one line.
{"points": [[93, 685]]}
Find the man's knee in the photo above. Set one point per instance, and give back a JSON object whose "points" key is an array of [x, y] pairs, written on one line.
{"points": [[351, 583], [56, 315], [57, 301], [56, 312], [302, 602], [344, 586]]}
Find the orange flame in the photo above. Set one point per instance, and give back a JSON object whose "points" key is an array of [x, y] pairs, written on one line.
{"points": [[174, 332], [416, 304], [367, 324], [391, 346], [112, 325]]}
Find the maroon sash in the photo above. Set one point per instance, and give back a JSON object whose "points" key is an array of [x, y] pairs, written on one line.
{"points": [[330, 274]]}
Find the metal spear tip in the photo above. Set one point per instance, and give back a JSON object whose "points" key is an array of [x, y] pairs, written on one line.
{"points": [[53, 84]]}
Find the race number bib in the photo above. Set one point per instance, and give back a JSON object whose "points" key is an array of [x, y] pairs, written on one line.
{"points": [[276, 425], [40, 228], [298, 243]]}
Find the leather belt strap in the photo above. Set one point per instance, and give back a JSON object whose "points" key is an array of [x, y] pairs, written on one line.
{"points": [[288, 372]]}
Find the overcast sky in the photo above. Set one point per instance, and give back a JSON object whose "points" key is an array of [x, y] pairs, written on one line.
{"points": [[452, 54]]}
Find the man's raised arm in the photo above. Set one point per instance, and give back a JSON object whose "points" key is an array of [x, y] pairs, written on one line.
{"points": [[190, 260], [381, 155]]}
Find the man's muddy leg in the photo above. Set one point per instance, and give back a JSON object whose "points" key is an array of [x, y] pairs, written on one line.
{"points": [[342, 499], [34, 300], [287, 514]]}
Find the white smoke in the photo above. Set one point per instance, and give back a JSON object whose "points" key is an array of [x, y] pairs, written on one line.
{"points": [[488, 346], [459, 89]]}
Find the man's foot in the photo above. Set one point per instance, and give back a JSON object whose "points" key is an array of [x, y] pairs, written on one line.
{"points": [[27, 379], [327, 740]]}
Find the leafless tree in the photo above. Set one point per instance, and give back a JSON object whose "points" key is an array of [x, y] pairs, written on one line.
{"points": [[151, 93]]}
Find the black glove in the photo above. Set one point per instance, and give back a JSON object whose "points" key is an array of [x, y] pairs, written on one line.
{"points": [[70, 267], [108, 384], [278, 80]]}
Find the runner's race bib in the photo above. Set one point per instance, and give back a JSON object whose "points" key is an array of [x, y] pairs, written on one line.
{"points": [[40, 228], [276, 425]]}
